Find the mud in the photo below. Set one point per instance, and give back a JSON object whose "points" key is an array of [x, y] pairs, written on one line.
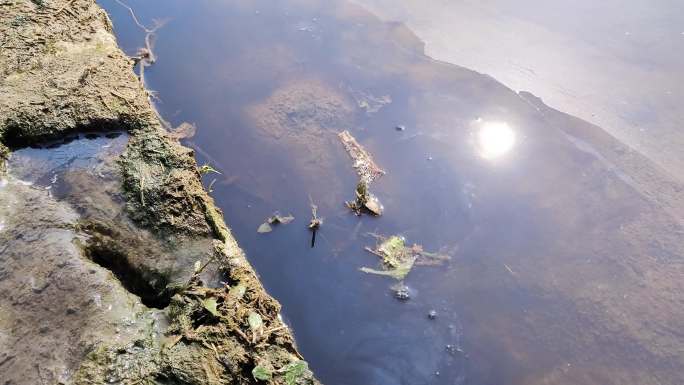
{"points": [[93, 243], [68, 77], [56, 304]]}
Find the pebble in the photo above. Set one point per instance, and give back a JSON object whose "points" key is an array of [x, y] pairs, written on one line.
{"points": [[453, 349], [402, 294], [432, 314], [400, 127]]}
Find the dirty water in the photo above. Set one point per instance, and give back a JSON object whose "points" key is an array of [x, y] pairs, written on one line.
{"points": [[564, 267]]}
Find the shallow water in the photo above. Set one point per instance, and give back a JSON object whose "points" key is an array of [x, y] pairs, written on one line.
{"points": [[564, 267], [45, 165]]}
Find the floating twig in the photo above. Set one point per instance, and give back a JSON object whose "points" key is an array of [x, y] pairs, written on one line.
{"points": [[146, 55], [368, 171], [315, 222], [363, 162]]}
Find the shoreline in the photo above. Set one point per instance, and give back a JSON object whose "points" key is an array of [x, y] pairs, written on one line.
{"points": [[63, 74]]}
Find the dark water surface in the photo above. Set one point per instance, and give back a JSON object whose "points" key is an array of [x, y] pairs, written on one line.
{"points": [[565, 264]]}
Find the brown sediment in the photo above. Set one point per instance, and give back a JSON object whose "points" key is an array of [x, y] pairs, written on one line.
{"points": [[62, 72], [303, 115]]}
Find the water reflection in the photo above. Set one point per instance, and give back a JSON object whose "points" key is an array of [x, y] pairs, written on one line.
{"points": [[494, 139], [269, 102]]}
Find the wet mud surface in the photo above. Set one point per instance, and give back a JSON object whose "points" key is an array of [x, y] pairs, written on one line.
{"points": [[565, 245], [57, 303]]}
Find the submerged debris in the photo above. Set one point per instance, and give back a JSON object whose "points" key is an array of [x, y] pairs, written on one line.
{"points": [[275, 219], [368, 172], [365, 201], [398, 259], [206, 169], [363, 163], [184, 130], [453, 349], [401, 292], [369, 102], [315, 222], [146, 56]]}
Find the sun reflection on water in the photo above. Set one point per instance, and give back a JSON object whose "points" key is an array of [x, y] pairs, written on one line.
{"points": [[494, 139]]}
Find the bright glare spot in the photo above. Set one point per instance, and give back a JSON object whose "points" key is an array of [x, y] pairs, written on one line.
{"points": [[495, 139]]}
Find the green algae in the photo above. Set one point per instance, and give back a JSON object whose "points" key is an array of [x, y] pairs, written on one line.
{"points": [[397, 259], [262, 373], [207, 169]]}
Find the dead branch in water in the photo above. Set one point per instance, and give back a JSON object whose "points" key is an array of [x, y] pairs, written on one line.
{"points": [[135, 18], [145, 58], [146, 55], [363, 162], [315, 222]]}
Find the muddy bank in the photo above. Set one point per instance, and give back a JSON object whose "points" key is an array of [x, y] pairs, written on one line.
{"points": [[115, 259]]}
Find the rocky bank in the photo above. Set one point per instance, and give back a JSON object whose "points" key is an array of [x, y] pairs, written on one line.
{"points": [[129, 274]]}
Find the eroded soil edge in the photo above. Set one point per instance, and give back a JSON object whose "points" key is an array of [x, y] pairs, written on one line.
{"points": [[94, 263]]}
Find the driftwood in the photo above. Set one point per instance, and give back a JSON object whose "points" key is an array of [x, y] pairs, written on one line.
{"points": [[368, 171], [363, 162], [146, 55]]}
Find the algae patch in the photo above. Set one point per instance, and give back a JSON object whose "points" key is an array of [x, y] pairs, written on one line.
{"points": [[397, 259]]}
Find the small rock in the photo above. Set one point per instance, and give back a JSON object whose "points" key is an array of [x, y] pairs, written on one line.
{"points": [[429, 158], [432, 314], [402, 294], [453, 349], [373, 205], [400, 128]]}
